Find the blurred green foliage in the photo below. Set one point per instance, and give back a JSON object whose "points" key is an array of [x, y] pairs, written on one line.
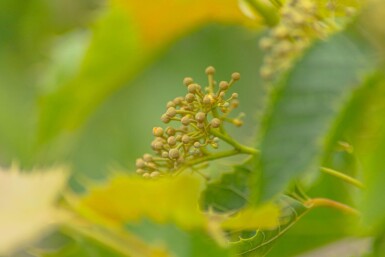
{"points": [[78, 87]]}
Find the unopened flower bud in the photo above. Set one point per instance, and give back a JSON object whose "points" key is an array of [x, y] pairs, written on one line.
{"points": [[155, 174], [237, 122], [171, 112], [140, 171], [185, 139], [223, 85], [173, 154], [157, 131], [266, 43], [200, 116], [165, 118], [152, 165], [215, 123], [171, 140], [236, 76], [234, 103], [189, 98], [170, 104], [158, 145], [140, 163], [187, 81], [185, 120], [147, 157], [178, 100], [170, 131], [280, 32], [193, 88], [210, 70], [207, 100], [197, 144]]}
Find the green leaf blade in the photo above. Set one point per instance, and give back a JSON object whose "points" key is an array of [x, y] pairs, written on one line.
{"points": [[304, 107]]}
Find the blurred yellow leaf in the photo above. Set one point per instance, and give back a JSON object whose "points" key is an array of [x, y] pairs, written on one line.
{"points": [[253, 218], [160, 21], [129, 199], [27, 207]]}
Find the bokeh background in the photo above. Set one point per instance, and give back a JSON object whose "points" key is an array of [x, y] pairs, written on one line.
{"points": [[82, 83]]}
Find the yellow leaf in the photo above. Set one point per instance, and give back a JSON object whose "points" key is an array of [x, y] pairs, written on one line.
{"points": [[27, 207], [160, 21], [129, 199], [253, 218]]}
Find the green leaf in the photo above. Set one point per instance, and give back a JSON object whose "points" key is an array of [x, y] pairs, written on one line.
{"points": [[181, 243], [230, 193], [261, 242], [303, 108], [79, 246], [103, 69], [369, 141]]}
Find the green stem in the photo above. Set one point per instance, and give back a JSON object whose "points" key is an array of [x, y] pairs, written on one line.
{"points": [[269, 14], [324, 202], [343, 177], [241, 148]]}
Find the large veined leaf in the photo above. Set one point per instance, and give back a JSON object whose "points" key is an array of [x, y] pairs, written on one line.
{"points": [[260, 242], [303, 108]]}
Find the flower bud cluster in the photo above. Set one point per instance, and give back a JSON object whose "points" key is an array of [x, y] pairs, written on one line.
{"points": [[301, 22], [197, 113]]}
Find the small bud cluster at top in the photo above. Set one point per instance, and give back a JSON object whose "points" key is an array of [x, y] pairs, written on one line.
{"points": [[197, 113], [301, 22]]}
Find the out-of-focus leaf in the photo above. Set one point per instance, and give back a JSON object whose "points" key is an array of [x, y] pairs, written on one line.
{"points": [[254, 217], [178, 242], [161, 21], [228, 194], [124, 40], [128, 199], [347, 247], [369, 142], [261, 242], [304, 107], [27, 206], [80, 246], [379, 245], [107, 62]]}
